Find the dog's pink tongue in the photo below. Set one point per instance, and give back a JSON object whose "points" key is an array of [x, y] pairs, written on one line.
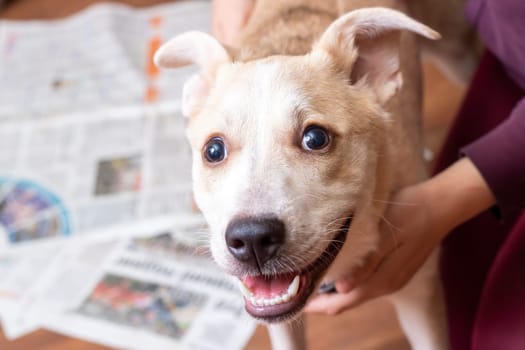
{"points": [[267, 287]]}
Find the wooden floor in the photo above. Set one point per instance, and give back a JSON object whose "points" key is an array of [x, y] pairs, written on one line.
{"points": [[370, 327]]}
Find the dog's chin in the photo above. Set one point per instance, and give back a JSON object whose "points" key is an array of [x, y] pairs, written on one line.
{"points": [[281, 297]]}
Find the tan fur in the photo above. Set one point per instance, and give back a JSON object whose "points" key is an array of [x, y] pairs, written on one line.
{"points": [[291, 72]]}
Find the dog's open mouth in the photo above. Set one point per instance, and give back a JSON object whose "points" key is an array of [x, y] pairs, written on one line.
{"points": [[279, 297]]}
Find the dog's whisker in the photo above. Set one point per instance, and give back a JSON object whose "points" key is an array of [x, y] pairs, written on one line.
{"points": [[395, 203], [392, 229]]}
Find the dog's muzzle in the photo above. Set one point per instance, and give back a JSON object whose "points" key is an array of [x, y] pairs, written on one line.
{"points": [[278, 296]]}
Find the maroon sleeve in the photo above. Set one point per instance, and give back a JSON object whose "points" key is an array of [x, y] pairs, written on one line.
{"points": [[500, 157], [501, 25]]}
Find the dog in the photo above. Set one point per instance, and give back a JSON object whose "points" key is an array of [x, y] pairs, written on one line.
{"points": [[299, 139]]}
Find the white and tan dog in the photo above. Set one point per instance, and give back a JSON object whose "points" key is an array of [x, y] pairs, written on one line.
{"points": [[299, 139]]}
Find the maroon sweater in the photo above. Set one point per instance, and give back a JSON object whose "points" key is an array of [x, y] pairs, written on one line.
{"points": [[500, 154], [483, 260]]}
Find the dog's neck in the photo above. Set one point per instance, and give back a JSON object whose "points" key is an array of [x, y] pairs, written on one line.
{"points": [[290, 27], [287, 30]]}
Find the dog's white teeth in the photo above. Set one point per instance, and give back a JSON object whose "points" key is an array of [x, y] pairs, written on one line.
{"points": [[245, 291], [275, 300], [293, 287], [286, 298]]}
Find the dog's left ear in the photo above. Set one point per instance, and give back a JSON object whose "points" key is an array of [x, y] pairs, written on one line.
{"points": [[193, 48], [365, 44]]}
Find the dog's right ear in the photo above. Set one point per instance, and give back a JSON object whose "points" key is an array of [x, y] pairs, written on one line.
{"points": [[364, 45], [193, 48]]}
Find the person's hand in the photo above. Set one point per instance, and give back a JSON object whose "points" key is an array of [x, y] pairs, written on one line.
{"points": [[406, 242], [228, 18], [415, 222]]}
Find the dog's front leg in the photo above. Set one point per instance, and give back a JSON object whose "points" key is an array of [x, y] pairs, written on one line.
{"points": [[421, 308], [289, 335]]}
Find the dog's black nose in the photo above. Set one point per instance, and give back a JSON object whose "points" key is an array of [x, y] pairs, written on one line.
{"points": [[255, 240]]}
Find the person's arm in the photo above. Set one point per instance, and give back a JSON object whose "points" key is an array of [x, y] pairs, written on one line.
{"points": [[500, 158], [492, 173], [228, 17], [420, 218]]}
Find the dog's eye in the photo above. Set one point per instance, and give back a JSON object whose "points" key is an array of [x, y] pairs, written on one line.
{"points": [[215, 150], [315, 138]]}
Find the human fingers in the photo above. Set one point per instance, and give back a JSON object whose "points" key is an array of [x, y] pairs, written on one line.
{"points": [[394, 271], [379, 275], [333, 304], [347, 297], [362, 273], [353, 289], [379, 283]]}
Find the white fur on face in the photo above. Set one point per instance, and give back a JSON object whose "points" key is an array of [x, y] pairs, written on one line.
{"points": [[261, 109]]}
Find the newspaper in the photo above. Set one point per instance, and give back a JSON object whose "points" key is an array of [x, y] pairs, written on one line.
{"points": [[96, 59], [20, 269], [87, 138], [79, 174], [99, 237], [150, 292]]}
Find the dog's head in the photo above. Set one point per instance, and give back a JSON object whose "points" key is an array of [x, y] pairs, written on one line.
{"points": [[285, 150]]}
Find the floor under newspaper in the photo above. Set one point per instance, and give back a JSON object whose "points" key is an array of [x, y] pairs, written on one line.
{"points": [[371, 326]]}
